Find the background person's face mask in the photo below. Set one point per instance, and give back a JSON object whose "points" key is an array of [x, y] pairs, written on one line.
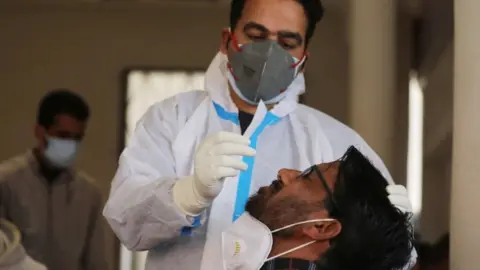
{"points": [[248, 242], [61, 152], [261, 71]]}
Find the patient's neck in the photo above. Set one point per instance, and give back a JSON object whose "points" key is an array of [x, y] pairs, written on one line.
{"points": [[311, 252]]}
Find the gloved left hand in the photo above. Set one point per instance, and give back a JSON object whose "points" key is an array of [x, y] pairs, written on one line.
{"points": [[398, 196]]}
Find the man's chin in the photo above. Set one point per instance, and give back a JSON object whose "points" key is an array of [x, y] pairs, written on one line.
{"points": [[256, 205]]}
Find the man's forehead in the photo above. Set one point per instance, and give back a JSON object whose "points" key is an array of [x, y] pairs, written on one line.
{"points": [[65, 123], [65, 120], [329, 172], [275, 15]]}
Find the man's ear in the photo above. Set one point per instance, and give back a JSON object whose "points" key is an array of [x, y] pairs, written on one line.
{"points": [[324, 230], [40, 132], [225, 40]]}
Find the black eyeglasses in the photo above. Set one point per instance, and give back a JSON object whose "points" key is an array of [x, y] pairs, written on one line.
{"points": [[314, 168], [351, 152]]}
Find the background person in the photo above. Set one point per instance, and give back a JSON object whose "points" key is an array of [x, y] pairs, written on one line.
{"points": [[56, 208], [12, 254]]}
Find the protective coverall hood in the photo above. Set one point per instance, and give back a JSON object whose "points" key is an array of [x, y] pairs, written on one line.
{"points": [[12, 254]]}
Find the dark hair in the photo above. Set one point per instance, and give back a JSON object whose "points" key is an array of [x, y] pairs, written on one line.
{"points": [[375, 235], [61, 101], [313, 10]]}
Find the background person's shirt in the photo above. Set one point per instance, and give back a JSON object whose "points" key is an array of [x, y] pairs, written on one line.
{"points": [[60, 221]]}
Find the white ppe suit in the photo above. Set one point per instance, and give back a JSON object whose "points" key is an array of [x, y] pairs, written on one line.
{"points": [[140, 208]]}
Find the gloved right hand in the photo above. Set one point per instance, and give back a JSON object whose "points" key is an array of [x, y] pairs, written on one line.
{"points": [[217, 157]]}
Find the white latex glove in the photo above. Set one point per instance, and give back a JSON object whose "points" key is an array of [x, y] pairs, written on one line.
{"points": [[398, 196], [217, 157]]}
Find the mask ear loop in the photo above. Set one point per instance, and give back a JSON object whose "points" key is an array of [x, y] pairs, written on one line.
{"points": [[301, 61], [301, 246]]}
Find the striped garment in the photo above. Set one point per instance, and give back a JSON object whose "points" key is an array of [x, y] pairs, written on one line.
{"points": [[289, 264]]}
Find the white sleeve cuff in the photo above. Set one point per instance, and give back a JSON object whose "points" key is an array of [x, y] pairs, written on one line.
{"points": [[187, 200]]}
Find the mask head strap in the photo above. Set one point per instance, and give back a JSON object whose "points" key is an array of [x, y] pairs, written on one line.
{"points": [[301, 246], [234, 41]]}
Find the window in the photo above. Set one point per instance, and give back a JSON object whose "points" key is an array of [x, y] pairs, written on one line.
{"points": [[415, 144], [145, 88]]}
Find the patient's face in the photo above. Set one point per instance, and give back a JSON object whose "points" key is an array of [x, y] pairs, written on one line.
{"points": [[293, 196]]}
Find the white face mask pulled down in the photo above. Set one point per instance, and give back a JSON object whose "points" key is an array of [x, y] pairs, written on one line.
{"points": [[248, 242]]}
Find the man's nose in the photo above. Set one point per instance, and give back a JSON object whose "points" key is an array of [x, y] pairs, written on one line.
{"points": [[287, 176]]}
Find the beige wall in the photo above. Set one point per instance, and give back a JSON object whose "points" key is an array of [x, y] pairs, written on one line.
{"points": [[404, 64], [435, 219], [437, 68], [438, 146], [85, 48]]}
